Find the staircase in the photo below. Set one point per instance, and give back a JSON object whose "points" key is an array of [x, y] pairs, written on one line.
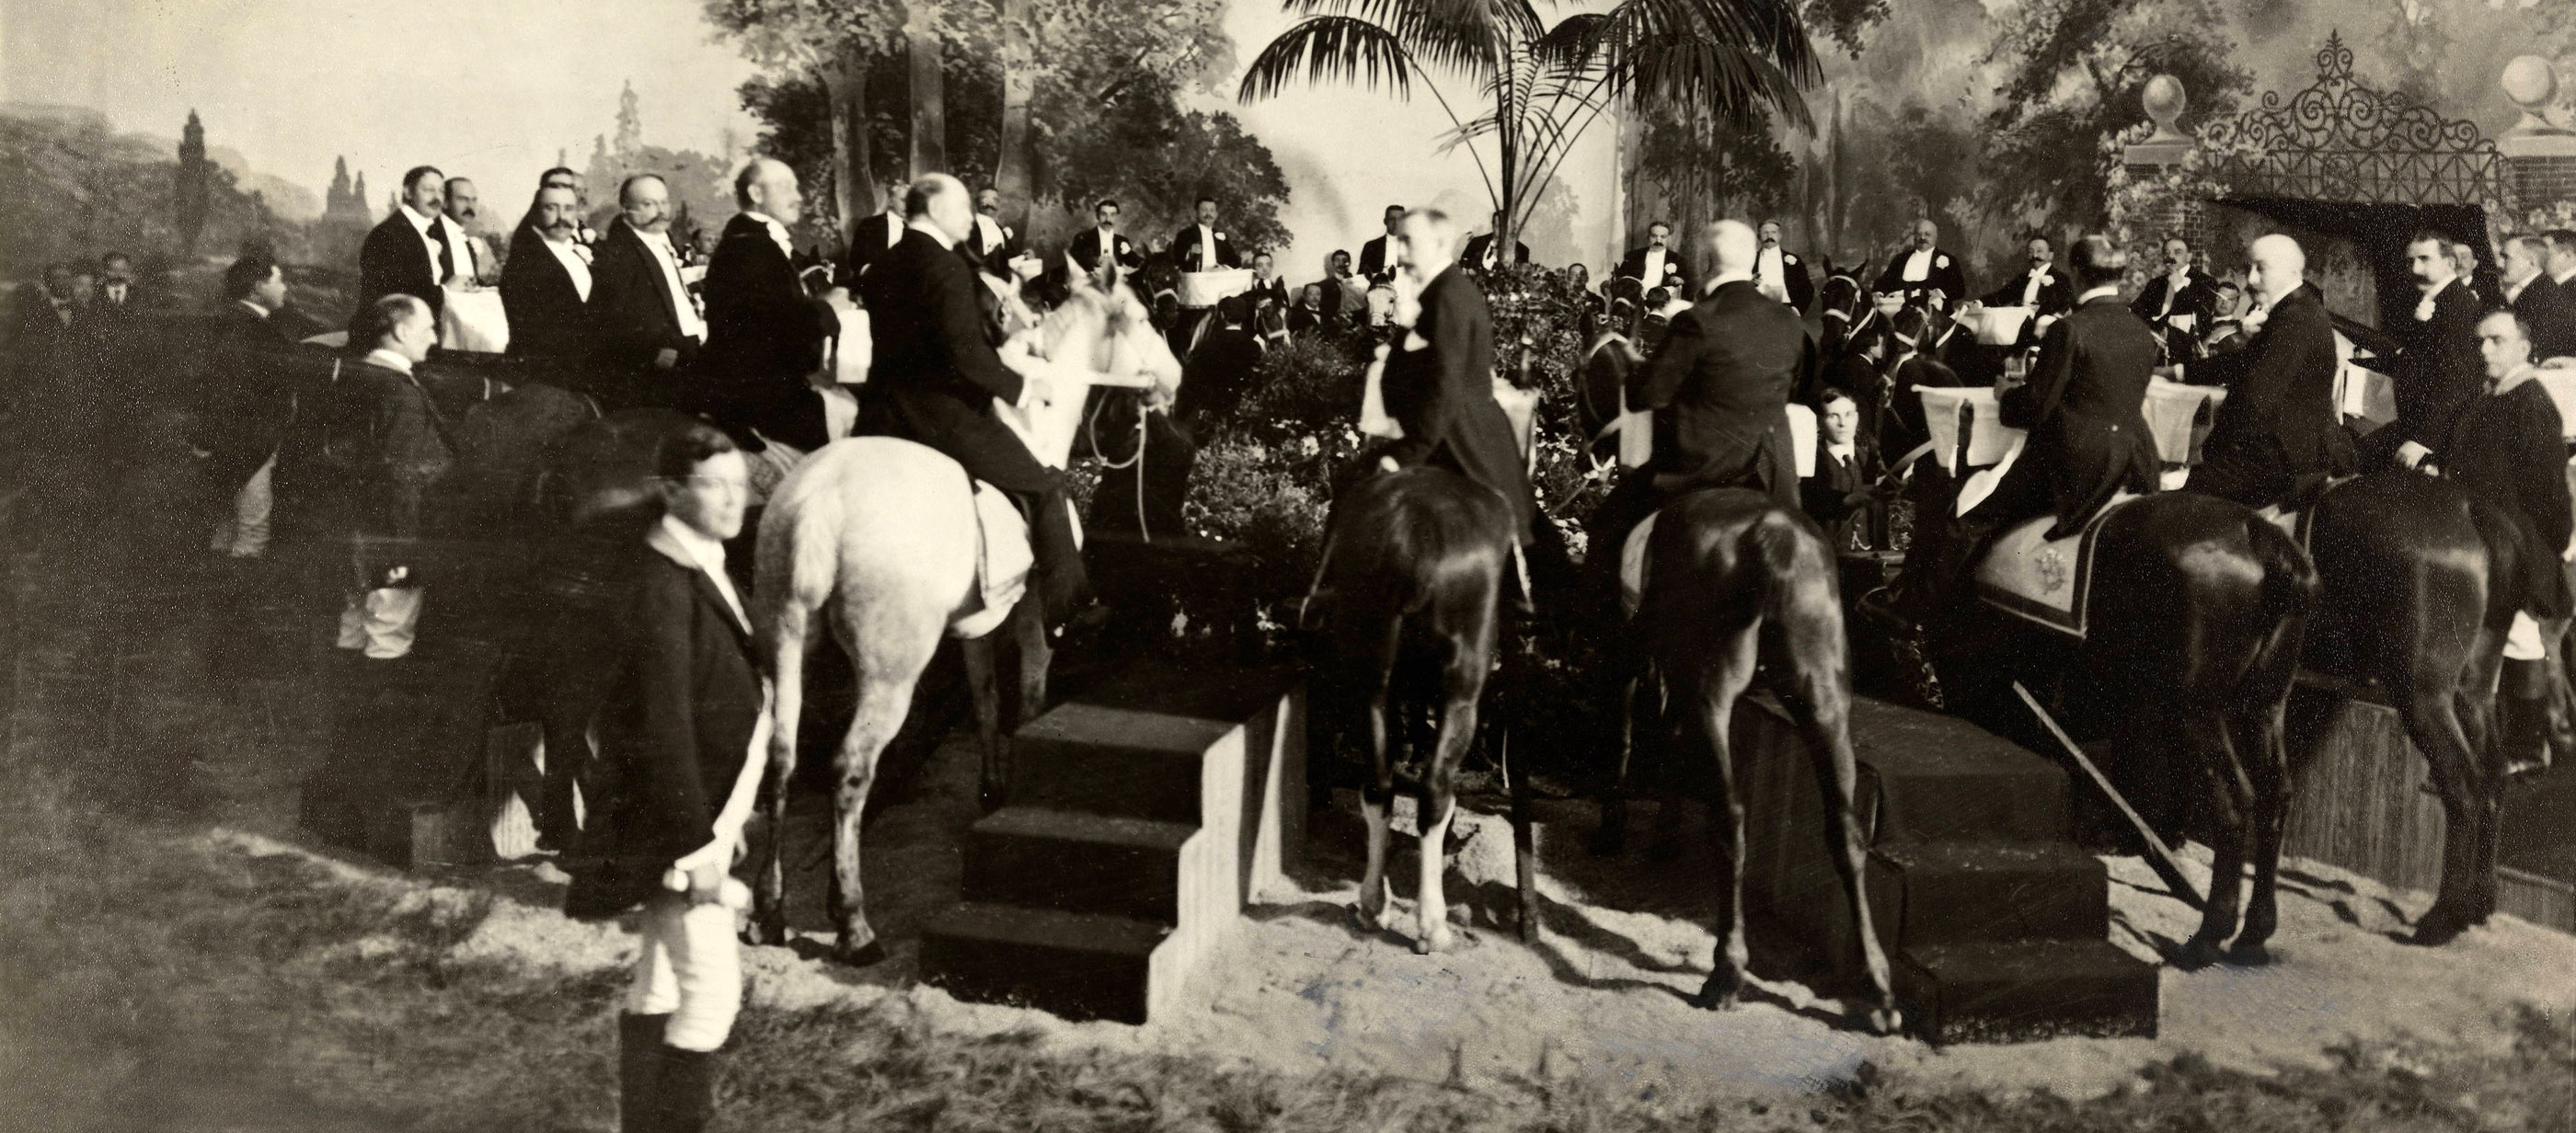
{"points": [[1141, 815], [1996, 925]]}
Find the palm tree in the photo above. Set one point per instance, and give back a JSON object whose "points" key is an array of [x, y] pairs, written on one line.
{"points": [[1539, 87]]}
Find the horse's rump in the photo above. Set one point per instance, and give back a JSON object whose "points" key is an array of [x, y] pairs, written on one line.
{"points": [[1399, 541]]}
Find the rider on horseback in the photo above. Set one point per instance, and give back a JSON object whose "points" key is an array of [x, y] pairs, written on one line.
{"points": [[2087, 440], [1719, 388], [2275, 438], [935, 377]]}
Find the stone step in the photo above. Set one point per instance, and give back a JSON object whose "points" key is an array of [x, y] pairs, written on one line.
{"points": [[2026, 990], [1930, 893], [1937, 778], [1077, 965], [1114, 761], [1078, 862]]}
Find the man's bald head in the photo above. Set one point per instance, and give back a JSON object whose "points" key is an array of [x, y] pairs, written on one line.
{"points": [[942, 200], [2280, 266], [1426, 243], [767, 186], [1732, 247]]}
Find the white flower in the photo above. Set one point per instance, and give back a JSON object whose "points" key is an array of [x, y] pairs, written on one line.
{"points": [[2424, 310], [1940, 261], [1220, 236]]}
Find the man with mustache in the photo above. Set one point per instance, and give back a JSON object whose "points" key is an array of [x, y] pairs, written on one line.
{"points": [[646, 329], [547, 289], [410, 253], [1780, 274], [474, 262], [2438, 366], [1925, 274], [2178, 304]]}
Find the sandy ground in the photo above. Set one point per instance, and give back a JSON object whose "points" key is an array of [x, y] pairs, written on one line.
{"points": [[1602, 996]]}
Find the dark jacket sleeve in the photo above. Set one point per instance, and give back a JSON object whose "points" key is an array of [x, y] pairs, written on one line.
{"points": [[1655, 384], [663, 780], [2032, 403], [2542, 448], [1429, 412], [961, 326]]}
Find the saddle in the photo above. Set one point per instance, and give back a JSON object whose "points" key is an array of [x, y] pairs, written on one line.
{"points": [[2042, 580]]}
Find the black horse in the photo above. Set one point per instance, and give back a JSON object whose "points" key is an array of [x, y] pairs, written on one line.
{"points": [[1408, 593], [2197, 610], [1736, 584], [2417, 600]]}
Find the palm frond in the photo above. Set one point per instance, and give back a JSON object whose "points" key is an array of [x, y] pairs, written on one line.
{"points": [[1701, 76], [1449, 35], [1325, 49]]}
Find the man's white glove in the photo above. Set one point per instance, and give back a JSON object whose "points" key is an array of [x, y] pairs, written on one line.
{"points": [[2413, 455]]}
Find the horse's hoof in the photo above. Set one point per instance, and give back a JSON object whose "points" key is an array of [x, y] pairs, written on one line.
{"points": [[2195, 954], [765, 932], [1880, 1020], [1721, 993], [1369, 920], [2439, 926], [2249, 956], [1436, 941], [867, 955]]}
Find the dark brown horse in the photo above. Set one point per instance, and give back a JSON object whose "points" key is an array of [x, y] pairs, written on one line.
{"points": [[2416, 602], [1413, 567], [1734, 581], [2197, 610]]}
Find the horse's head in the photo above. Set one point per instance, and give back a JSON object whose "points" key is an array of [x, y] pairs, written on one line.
{"points": [[1842, 297], [1132, 346]]}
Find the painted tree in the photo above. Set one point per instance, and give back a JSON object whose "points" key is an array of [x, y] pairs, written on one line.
{"points": [[194, 184], [1531, 89], [839, 43], [2072, 74]]}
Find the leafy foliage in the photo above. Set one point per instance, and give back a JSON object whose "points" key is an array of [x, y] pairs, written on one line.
{"points": [[1739, 167], [2073, 72]]}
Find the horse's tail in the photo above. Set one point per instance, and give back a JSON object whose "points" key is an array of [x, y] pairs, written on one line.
{"points": [[2289, 576], [2506, 551], [798, 565]]}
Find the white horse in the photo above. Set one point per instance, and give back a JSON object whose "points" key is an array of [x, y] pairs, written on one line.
{"points": [[881, 534]]}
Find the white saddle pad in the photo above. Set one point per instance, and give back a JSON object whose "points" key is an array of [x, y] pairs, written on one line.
{"points": [[1002, 562], [1632, 566], [2048, 581]]}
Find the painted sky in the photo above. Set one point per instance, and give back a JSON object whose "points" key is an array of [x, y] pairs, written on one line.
{"points": [[485, 88], [493, 88]]}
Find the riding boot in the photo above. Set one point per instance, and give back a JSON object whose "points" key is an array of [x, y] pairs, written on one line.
{"points": [[1061, 586], [639, 1072], [687, 1091], [2522, 718]]}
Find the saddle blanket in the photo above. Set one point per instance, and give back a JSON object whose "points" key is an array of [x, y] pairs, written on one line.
{"points": [[1002, 563], [2047, 581]]}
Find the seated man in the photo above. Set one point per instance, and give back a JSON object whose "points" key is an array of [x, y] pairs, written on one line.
{"points": [[2275, 438], [1719, 387], [2087, 439], [935, 377], [2508, 451]]}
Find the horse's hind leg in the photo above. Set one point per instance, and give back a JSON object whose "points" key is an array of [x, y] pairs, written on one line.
{"points": [[1610, 839], [2260, 742], [2432, 720], [1462, 685], [1374, 909], [983, 686], [1820, 699], [2231, 801], [889, 653], [1720, 678], [789, 641]]}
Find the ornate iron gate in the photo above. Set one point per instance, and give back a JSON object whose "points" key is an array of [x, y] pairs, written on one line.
{"points": [[2340, 141]]}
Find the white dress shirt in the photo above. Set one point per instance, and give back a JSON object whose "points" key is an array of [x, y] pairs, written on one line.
{"points": [[2513, 291], [2030, 287], [389, 359], [1918, 266], [568, 254], [1768, 271], [469, 265], [710, 557], [1207, 248], [1654, 266], [778, 232], [668, 259], [990, 231], [894, 229]]}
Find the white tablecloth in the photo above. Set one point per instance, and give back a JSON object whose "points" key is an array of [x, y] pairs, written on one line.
{"points": [[474, 321]]}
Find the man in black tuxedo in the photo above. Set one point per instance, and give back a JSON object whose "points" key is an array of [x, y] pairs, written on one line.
{"points": [[2041, 287], [360, 458], [1780, 274], [546, 291], [1655, 264], [2276, 436], [2548, 311], [410, 253], [2088, 436], [644, 326], [874, 235], [935, 378], [243, 400], [2178, 304], [1719, 387], [2438, 366], [1266, 284], [764, 333], [1377, 257], [1103, 244], [1442, 391], [1480, 254], [1926, 274], [993, 244], [1202, 246], [681, 712]]}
